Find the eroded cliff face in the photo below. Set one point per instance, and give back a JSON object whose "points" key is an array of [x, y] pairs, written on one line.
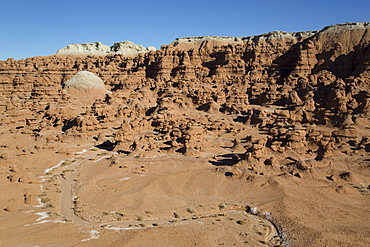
{"points": [[272, 81], [272, 111], [322, 76]]}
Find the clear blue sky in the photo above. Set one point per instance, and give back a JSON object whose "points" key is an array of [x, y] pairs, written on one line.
{"points": [[41, 27]]}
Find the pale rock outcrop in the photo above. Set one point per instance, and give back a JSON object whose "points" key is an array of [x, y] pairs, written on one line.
{"points": [[129, 48], [85, 80], [126, 48]]}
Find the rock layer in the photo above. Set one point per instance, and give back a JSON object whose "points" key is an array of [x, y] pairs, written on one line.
{"points": [[324, 75]]}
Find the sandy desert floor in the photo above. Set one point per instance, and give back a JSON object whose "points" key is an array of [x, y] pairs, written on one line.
{"points": [[83, 194]]}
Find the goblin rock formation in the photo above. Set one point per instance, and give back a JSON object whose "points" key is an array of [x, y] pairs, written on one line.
{"points": [[272, 104], [311, 77]]}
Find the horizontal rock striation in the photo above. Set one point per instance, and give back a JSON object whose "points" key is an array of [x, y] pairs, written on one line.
{"points": [[319, 77], [327, 70]]}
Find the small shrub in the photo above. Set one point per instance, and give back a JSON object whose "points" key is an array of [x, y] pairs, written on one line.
{"points": [[241, 222], [66, 163], [190, 210], [45, 200]]}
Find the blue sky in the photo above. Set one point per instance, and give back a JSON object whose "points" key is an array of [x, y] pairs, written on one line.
{"points": [[40, 27]]}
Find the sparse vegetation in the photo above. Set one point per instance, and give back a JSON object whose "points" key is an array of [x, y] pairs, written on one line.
{"points": [[241, 222], [45, 200], [66, 163], [190, 210]]}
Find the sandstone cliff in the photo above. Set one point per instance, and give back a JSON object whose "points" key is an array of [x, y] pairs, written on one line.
{"points": [[275, 113], [321, 75]]}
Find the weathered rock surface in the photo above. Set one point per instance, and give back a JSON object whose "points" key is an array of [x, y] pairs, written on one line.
{"points": [[85, 80], [126, 48], [290, 106], [318, 77]]}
